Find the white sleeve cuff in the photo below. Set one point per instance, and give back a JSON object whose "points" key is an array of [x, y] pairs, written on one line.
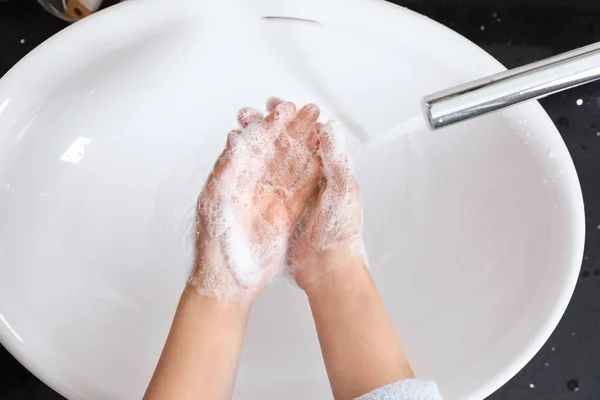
{"points": [[408, 389]]}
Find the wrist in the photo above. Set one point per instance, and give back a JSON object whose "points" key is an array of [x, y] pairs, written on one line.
{"points": [[215, 305], [339, 269], [213, 277]]}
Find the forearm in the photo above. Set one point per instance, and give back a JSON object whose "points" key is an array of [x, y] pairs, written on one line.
{"points": [[358, 342], [200, 358]]}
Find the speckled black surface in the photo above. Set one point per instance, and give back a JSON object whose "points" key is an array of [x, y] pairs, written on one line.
{"points": [[515, 34]]}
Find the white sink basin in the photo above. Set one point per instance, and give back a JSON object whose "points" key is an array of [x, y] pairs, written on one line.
{"points": [[475, 233]]}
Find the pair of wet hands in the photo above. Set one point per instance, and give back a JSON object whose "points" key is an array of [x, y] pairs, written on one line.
{"points": [[281, 197]]}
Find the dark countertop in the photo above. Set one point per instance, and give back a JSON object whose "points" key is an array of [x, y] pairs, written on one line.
{"points": [[515, 34]]}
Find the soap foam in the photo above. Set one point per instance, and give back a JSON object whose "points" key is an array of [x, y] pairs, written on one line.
{"points": [[247, 205], [333, 217]]}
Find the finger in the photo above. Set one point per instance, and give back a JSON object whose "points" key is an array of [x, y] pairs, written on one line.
{"points": [[307, 116], [232, 138], [295, 171], [317, 220], [332, 149], [312, 139], [282, 114], [254, 140], [304, 193], [282, 145], [269, 117], [248, 115], [213, 184], [280, 117], [332, 145], [272, 103]]}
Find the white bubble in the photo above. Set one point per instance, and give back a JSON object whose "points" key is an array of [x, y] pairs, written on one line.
{"points": [[265, 167]]}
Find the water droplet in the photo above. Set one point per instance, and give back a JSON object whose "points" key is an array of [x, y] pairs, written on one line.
{"points": [[494, 15], [550, 154], [579, 102], [546, 365], [482, 28], [553, 349], [597, 226], [573, 385], [527, 134], [498, 19], [22, 41], [531, 385], [572, 333], [583, 146], [7, 188], [597, 133], [545, 181]]}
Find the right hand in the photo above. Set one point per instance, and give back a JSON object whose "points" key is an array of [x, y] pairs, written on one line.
{"points": [[328, 236]]}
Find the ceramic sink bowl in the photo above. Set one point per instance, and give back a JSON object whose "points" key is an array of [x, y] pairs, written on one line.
{"points": [[107, 131]]}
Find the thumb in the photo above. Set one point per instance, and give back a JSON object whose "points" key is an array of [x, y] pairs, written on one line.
{"points": [[332, 148]]}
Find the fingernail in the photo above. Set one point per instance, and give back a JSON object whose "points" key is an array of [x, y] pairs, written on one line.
{"points": [[312, 109], [273, 102], [285, 112]]}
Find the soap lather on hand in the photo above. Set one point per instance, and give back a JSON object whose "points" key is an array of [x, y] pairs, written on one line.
{"points": [[282, 198]]}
